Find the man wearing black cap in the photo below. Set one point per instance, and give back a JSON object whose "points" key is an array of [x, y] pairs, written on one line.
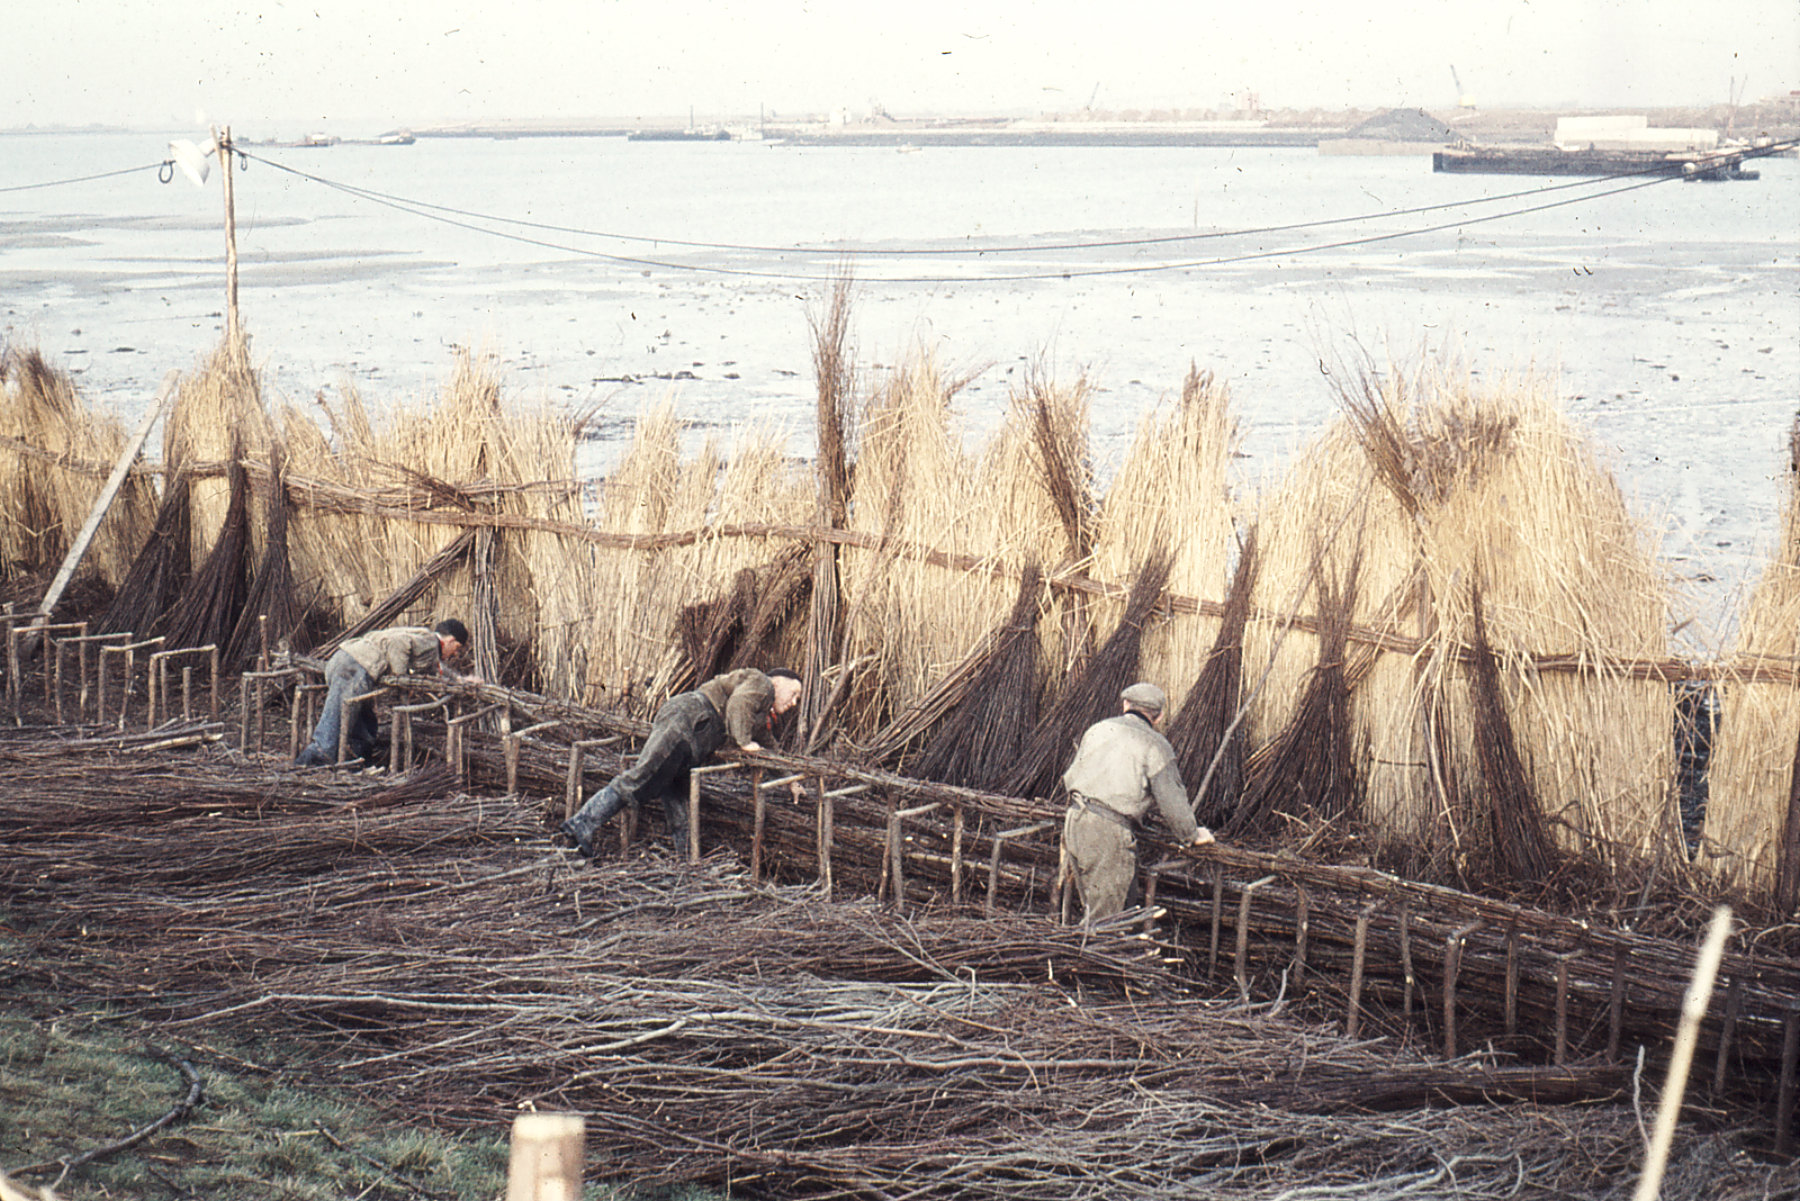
{"points": [[362, 663], [1122, 765]]}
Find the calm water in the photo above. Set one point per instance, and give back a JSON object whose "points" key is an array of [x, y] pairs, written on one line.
{"points": [[1669, 312]]}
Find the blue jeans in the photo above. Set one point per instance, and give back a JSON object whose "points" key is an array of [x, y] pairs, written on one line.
{"points": [[344, 677]]}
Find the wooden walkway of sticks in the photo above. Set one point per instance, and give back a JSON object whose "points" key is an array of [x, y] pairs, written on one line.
{"points": [[1380, 953]]}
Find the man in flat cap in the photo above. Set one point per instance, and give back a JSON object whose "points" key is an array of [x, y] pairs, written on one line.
{"points": [[1122, 765]]}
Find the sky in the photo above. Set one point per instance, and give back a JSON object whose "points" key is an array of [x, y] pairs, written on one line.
{"points": [[144, 64]]}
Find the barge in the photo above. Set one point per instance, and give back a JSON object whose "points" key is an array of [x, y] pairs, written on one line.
{"points": [[1549, 160]]}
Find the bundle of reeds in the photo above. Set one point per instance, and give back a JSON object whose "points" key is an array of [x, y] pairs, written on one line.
{"points": [[1308, 775], [1173, 490], [1207, 730], [916, 486], [1520, 847], [213, 602], [54, 457], [159, 574], [218, 414], [1092, 692], [1754, 775], [1498, 489], [992, 701], [272, 608], [1326, 514], [823, 669]]}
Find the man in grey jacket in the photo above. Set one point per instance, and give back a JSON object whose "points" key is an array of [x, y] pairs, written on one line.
{"points": [[686, 731], [359, 665], [1122, 765]]}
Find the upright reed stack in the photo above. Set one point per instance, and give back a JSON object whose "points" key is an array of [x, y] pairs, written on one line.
{"points": [[1752, 832]]}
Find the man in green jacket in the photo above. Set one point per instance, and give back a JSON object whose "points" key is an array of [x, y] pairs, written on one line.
{"points": [[688, 728], [360, 664], [1122, 765]]}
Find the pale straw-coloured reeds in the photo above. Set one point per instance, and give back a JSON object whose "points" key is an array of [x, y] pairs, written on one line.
{"points": [[1430, 490], [1751, 812], [46, 497], [1491, 488]]}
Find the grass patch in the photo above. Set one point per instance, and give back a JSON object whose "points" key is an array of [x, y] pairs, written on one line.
{"points": [[74, 1078]]}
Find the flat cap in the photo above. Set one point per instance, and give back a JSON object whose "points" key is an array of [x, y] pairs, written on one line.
{"points": [[1145, 696]]}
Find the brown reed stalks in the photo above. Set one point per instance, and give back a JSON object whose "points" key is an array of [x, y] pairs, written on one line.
{"points": [[1206, 727], [159, 574], [1308, 775], [835, 382], [272, 595], [214, 599], [992, 701], [1521, 849], [1092, 693]]}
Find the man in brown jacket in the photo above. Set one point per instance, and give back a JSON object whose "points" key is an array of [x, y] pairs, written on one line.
{"points": [[359, 665], [1122, 765], [685, 732]]}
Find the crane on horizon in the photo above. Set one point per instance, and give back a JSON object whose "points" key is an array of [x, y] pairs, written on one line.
{"points": [[1463, 99]]}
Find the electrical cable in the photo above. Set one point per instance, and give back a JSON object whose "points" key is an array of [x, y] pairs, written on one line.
{"points": [[878, 252], [1011, 277], [57, 183]]}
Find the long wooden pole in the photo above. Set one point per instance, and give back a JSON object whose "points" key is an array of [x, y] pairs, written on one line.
{"points": [[223, 138], [108, 492], [1693, 1008]]}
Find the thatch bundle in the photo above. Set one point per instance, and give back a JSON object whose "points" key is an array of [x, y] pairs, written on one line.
{"points": [[43, 502], [218, 415], [465, 453], [1751, 839], [1440, 488], [1172, 493], [917, 486]]}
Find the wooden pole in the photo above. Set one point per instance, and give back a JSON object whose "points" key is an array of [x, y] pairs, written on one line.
{"points": [[1693, 1009], [108, 492], [547, 1150], [223, 138]]}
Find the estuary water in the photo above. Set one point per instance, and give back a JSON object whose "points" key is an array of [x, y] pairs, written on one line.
{"points": [[605, 272]]}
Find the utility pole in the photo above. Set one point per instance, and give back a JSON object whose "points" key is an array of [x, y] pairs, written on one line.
{"points": [[222, 137]]}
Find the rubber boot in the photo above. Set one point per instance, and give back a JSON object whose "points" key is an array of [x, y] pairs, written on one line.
{"points": [[675, 817], [587, 821]]}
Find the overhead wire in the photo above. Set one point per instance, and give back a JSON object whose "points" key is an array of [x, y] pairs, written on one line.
{"points": [[878, 252], [57, 183], [438, 213], [471, 220]]}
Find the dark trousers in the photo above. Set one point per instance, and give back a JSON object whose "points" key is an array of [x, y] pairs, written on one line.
{"points": [[344, 678]]}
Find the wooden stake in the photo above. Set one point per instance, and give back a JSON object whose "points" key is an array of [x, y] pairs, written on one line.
{"points": [[1616, 1005], [1512, 981], [1562, 1008], [1453, 947], [1302, 922], [547, 1151], [1784, 1099], [1353, 1014], [1218, 906], [1240, 962], [1734, 999], [1406, 963]]}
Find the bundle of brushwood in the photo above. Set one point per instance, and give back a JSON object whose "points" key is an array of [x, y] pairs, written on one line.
{"points": [[423, 949]]}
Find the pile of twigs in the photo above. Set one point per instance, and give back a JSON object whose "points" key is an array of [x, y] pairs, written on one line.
{"points": [[434, 950]]}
